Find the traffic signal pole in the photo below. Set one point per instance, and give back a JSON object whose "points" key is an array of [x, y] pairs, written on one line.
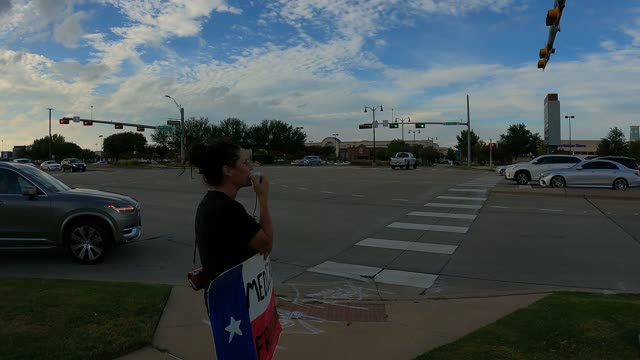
{"points": [[468, 135]]}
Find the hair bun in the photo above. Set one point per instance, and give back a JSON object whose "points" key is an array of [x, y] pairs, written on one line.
{"points": [[198, 155]]}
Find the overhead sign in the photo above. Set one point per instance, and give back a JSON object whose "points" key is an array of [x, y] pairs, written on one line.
{"points": [[165, 128], [173, 122], [76, 118], [242, 311]]}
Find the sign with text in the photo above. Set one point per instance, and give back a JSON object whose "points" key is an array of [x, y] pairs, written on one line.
{"points": [[242, 311]]}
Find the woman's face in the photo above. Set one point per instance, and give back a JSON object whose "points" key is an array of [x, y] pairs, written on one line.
{"points": [[242, 170]]}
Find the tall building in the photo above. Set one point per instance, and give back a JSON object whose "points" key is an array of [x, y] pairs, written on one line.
{"points": [[552, 120], [634, 133]]}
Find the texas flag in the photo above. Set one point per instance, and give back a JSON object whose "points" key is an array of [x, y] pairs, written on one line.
{"points": [[242, 312]]}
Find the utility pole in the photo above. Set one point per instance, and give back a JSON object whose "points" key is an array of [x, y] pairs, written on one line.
{"points": [[468, 135], [490, 153], [49, 132], [181, 128], [373, 125]]}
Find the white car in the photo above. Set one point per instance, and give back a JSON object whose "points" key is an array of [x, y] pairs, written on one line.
{"points": [[24, 161], [50, 165], [522, 173], [593, 173]]}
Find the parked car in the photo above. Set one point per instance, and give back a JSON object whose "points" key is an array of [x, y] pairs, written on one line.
{"points": [[311, 160], [24, 161], [403, 160], [50, 165], [102, 162], [593, 173], [522, 173], [626, 161], [38, 211], [73, 164]]}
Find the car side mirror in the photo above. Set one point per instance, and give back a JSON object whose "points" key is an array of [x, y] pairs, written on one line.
{"points": [[29, 191], [579, 168], [535, 163]]}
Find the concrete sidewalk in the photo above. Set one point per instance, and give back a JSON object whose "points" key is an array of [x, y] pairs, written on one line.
{"points": [[401, 329]]}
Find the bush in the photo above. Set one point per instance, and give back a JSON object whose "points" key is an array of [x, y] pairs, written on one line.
{"points": [[263, 158]]}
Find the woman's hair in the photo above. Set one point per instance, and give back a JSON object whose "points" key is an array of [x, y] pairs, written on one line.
{"points": [[211, 157]]}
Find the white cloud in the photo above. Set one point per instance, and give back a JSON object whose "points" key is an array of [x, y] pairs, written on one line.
{"points": [[70, 30]]}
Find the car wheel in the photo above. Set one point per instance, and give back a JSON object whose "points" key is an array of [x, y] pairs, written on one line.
{"points": [[407, 166], [522, 178], [620, 184], [393, 167], [558, 182], [88, 241]]}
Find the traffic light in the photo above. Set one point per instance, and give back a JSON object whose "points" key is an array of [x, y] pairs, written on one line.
{"points": [[393, 125], [493, 144], [553, 16], [553, 21], [64, 121], [365, 126], [140, 128], [119, 126], [87, 123], [420, 125]]}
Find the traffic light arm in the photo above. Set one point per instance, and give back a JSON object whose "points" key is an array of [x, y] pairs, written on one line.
{"points": [[111, 123]]}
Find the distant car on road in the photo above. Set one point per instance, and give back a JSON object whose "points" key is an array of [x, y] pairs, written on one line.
{"points": [[73, 164], [403, 160], [626, 161], [101, 162], [592, 173], [311, 160], [50, 165], [24, 161], [37, 211]]}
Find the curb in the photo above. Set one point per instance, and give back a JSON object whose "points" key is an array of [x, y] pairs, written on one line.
{"points": [[599, 194]]}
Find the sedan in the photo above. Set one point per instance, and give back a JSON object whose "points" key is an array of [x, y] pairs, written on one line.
{"points": [[37, 211], [50, 165], [592, 173]]}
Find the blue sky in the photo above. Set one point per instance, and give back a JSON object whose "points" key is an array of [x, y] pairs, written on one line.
{"points": [[315, 63]]}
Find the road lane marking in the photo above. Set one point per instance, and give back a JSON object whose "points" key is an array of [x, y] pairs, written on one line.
{"points": [[443, 215], [469, 190], [406, 278], [327, 192], [356, 272], [303, 189], [399, 200], [477, 185], [461, 198], [357, 195], [408, 245], [285, 186], [499, 207], [553, 210], [428, 227], [455, 206]]}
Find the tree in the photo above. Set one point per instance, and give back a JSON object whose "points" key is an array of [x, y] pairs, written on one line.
{"points": [[614, 144], [462, 142], [124, 144], [234, 129], [634, 150], [40, 147], [276, 137], [165, 137], [451, 155], [68, 150], [394, 147], [520, 141], [88, 155]]}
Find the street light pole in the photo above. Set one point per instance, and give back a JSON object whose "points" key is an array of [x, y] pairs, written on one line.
{"points": [[373, 125], [181, 128], [570, 144], [468, 135], [101, 146], [490, 153], [49, 132], [414, 135], [402, 120]]}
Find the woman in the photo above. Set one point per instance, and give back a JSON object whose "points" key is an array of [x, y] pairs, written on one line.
{"points": [[225, 233]]}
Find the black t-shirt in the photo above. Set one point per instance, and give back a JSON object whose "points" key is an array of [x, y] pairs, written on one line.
{"points": [[223, 232]]}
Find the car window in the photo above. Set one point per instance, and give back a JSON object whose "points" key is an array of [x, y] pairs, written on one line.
{"points": [[592, 165], [48, 182], [402, 155], [8, 182], [566, 160], [544, 160]]}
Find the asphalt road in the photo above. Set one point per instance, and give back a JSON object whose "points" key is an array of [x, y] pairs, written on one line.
{"points": [[392, 233]]}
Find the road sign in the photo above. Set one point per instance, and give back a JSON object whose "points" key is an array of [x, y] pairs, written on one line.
{"points": [[165, 128], [385, 123], [173, 122], [76, 118]]}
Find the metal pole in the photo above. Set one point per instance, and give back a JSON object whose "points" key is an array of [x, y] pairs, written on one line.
{"points": [[50, 132], [491, 153], [374, 135], [468, 135], [570, 143], [182, 135], [402, 120]]}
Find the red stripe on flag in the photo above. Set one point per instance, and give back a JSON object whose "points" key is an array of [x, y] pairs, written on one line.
{"points": [[266, 330]]}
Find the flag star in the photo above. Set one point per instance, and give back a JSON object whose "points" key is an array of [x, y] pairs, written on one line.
{"points": [[233, 328]]}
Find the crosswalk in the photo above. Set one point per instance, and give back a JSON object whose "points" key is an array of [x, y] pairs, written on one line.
{"points": [[440, 232]]}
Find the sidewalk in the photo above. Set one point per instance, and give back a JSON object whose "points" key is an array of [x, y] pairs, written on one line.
{"points": [[401, 329]]}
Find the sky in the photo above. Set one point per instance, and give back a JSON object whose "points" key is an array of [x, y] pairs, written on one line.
{"points": [[315, 64]]}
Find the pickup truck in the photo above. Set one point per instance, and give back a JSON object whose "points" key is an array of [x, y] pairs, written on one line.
{"points": [[403, 159]]}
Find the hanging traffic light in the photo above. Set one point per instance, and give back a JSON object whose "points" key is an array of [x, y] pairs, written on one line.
{"points": [[493, 144], [393, 125], [365, 126], [553, 21], [140, 128], [87, 123], [420, 125], [64, 121], [119, 126]]}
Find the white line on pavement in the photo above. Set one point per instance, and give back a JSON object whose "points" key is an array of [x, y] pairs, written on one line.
{"points": [[461, 198], [303, 189], [357, 195], [455, 206], [357, 272], [406, 278], [469, 190], [327, 192], [554, 210], [399, 200], [285, 186], [408, 245], [499, 207], [442, 215], [477, 185], [428, 227]]}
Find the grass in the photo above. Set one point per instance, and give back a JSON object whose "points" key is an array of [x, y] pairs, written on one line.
{"points": [[561, 326], [69, 319]]}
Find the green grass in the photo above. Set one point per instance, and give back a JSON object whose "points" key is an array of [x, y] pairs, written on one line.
{"points": [[561, 326], [68, 319]]}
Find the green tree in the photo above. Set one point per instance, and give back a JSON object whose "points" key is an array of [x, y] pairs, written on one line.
{"points": [[462, 142], [276, 137], [165, 138], [68, 150], [124, 145], [394, 147], [451, 155], [614, 144], [88, 155], [236, 130], [40, 148]]}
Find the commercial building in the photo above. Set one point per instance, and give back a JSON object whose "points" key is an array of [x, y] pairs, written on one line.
{"points": [[363, 149], [634, 133], [552, 124], [579, 147]]}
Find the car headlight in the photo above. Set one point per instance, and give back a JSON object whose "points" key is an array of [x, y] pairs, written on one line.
{"points": [[127, 209]]}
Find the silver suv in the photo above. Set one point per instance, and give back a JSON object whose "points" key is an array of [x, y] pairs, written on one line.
{"points": [[37, 211], [522, 173]]}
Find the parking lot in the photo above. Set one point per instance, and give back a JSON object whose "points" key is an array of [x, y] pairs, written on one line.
{"points": [[394, 233]]}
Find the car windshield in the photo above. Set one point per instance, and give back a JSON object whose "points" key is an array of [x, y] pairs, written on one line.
{"points": [[74, 161], [45, 180]]}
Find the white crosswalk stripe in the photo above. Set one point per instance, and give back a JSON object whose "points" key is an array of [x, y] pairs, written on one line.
{"points": [[442, 215], [455, 206], [461, 198], [408, 245], [428, 227]]}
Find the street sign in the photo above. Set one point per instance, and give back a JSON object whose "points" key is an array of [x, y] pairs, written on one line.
{"points": [[76, 118], [173, 122], [385, 123], [165, 128]]}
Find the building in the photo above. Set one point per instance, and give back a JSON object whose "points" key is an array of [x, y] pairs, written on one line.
{"points": [[552, 126], [580, 147], [363, 149], [634, 133]]}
